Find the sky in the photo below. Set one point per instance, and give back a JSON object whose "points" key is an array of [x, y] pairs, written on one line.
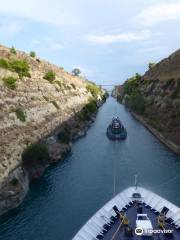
{"points": [[109, 40]]}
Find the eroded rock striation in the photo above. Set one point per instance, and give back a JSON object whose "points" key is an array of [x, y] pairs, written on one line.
{"points": [[37, 100]]}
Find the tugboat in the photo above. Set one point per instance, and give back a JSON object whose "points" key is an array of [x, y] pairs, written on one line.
{"points": [[134, 214], [116, 131]]}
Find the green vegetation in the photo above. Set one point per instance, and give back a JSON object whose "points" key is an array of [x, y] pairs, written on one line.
{"points": [[63, 85], [91, 107], [119, 98], [87, 111], [76, 72], [20, 114], [35, 154], [131, 84], [136, 103], [176, 92], [50, 76], [83, 116], [94, 90], [133, 98], [151, 65], [64, 135], [32, 54], [10, 82], [21, 67], [13, 50], [4, 63], [55, 104]]}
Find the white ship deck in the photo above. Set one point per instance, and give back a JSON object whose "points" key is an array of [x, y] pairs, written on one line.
{"points": [[106, 225]]}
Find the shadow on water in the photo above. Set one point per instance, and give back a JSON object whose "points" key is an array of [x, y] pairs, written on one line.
{"points": [[61, 201]]}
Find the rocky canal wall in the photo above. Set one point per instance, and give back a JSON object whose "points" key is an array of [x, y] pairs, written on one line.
{"points": [[37, 101]]}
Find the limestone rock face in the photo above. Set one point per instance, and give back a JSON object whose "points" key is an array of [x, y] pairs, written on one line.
{"points": [[13, 189], [168, 68], [160, 89], [45, 105]]}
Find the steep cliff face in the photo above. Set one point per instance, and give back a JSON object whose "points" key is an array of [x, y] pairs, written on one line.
{"points": [[13, 189], [36, 98], [168, 68], [155, 98]]}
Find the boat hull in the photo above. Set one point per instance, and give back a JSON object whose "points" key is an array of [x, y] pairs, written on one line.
{"points": [[122, 135]]}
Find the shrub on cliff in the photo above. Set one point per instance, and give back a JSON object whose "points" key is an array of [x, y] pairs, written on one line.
{"points": [[20, 114], [136, 103], [64, 135], [21, 67], [151, 65], [119, 98], [32, 54], [88, 109], [50, 76], [10, 82], [4, 63], [83, 115], [13, 50], [35, 154], [131, 84], [91, 107], [76, 72], [132, 96], [94, 90]]}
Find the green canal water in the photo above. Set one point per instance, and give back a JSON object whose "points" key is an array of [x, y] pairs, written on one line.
{"points": [[69, 193]]}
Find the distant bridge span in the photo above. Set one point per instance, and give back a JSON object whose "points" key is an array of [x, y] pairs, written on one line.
{"points": [[107, 85]]}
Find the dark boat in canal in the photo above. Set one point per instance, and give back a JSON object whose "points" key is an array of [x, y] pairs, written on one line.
{"points": [[116, 130]]}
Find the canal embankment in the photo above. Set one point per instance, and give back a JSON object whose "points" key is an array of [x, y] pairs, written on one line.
{"points": [[70, 192], [43, 110], [154, 99], [172, 146]]}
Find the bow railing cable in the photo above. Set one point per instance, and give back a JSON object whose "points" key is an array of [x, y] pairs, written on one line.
{"points": [[113, 237]]}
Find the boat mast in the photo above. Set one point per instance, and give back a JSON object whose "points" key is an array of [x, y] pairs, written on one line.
{"points": [[136, 182]]}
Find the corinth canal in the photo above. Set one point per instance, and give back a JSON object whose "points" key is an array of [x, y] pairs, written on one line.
{"points": [[69, 193]]}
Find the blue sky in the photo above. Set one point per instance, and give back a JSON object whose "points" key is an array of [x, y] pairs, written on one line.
{"points": [[109, 40]]}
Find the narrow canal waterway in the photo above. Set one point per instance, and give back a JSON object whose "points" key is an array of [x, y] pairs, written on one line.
{"points": [[70, 192]]}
